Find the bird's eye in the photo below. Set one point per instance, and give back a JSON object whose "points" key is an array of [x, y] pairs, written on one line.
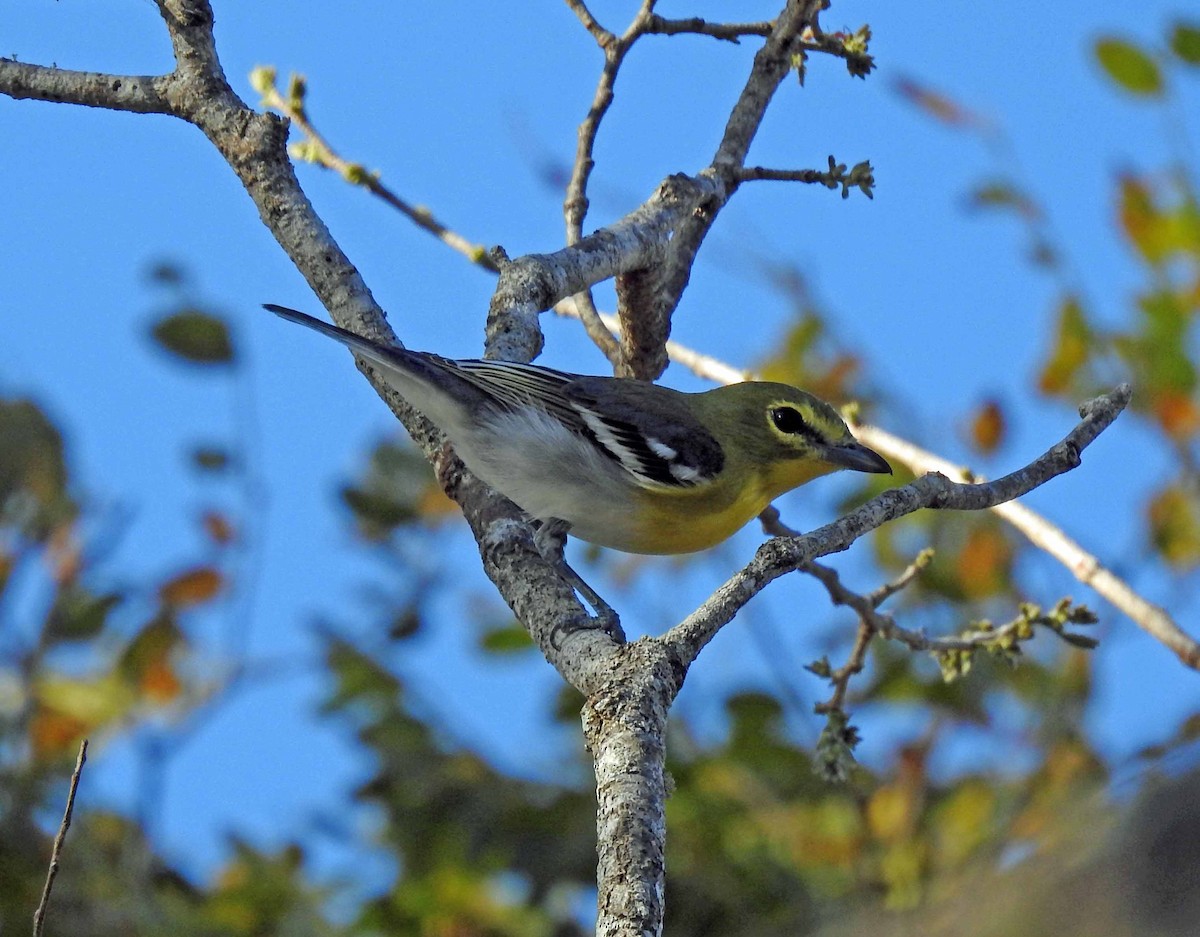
{"points": [[788, 420]]}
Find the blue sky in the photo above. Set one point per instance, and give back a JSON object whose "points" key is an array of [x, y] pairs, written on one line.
{"points": [[461, 106]]}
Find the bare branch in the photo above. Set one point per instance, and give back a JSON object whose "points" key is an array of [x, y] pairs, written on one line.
{"points": [[597, 330], [535, 282], [783, 555], [1084, 566], [142, 94], [317, 150], [650, 328], [39, 914], [861, 177], [730, 32], [697, 362], [625, 723], [602, 36]]}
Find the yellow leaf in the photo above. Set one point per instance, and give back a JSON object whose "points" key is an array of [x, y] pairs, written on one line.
{"points": [[891, 813], [1174, 518], [1072, 346]]}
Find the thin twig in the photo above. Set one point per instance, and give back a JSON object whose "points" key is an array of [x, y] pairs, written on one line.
{"points": [[597, 330], [870, 621], [317, 150], [1084, 566], [861, 176], [730, 32], [695, 361], [39, 915], [785, 554]]}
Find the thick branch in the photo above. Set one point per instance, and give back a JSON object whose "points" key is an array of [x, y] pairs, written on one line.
{"points": [[533, 283], [625, 724], [142, 94], [647, 325], [783, 555]]}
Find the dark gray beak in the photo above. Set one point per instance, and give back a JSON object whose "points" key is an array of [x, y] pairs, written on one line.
{"points": [[856, 456]]}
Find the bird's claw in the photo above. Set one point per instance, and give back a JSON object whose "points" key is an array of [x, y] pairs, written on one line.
{"points": [[605, 620]]}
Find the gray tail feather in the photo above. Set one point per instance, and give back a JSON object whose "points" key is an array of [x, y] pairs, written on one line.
{"points": [[435, 388], [357, 342]]}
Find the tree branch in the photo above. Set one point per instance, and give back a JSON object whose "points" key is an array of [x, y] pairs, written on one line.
{"points": [[254, 146], [142, 94], [783, 555], [730, 32], [39, 914], [658, 292], [625, 724], [1084, 566]]}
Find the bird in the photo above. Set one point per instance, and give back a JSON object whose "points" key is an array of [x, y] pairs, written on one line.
{"points": [[618, 462]]}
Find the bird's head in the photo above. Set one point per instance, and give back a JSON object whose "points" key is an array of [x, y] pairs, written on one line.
{"points": [[791, 435]]}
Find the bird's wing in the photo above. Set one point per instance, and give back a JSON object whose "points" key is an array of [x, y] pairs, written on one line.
{"points": [[645, 429], [649, 430]]}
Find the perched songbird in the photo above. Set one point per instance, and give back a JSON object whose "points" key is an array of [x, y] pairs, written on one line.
{"points": [[623, 463]]}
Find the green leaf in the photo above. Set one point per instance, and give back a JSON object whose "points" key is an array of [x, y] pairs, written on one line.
{"points": [[506, 640], [1185, 42], [1174, 520], [1129, 66], [78, 615], [210, 458], [33, 470], [1079, 640], [1004, 195], [195, 336]]}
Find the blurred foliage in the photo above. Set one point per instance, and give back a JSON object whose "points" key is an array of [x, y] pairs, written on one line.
{"points": [[195, 336], [758, 845]]}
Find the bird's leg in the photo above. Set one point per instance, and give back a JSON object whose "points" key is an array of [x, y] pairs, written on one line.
{"points": [[550, 538]]}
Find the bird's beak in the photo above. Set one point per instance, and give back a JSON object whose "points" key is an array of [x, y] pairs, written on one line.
{"points": [[856, 456]]}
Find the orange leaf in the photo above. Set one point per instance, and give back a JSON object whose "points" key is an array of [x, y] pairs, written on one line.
{"points": [[983, 565], [193, 587], [159, 682], [987, 427], [219, 528], [53, 732], [937, 104], [1177, 413]]}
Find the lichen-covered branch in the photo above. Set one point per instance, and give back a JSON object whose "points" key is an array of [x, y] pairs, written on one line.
{"points": [[625, 723], [647, 293]]}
